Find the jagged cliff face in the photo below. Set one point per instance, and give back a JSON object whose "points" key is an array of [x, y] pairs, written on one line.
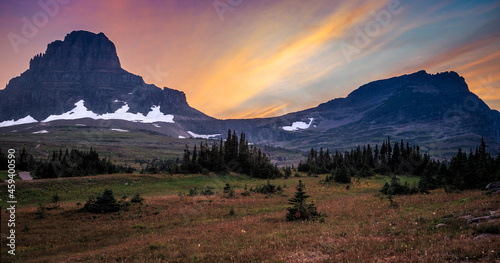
{"points": [[80, 51], [85, 66]]}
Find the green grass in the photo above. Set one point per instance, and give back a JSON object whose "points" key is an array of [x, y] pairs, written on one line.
{"points": [[121, 148], [4, 175], [79, 189], [410, 179], [359, 226]]}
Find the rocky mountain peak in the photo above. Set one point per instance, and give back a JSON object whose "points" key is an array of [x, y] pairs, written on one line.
{"points": [[85, 66], [79, 51]]}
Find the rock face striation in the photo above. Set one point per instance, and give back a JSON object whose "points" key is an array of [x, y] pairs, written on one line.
{"points": [[85, 66]]}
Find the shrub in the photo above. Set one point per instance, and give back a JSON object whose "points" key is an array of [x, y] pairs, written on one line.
{"points": [[231, 211], [396, 188], [228, 191], [265, 189], [137, 199], [55, 198], [208, 191], [41, 212], [106, 203], [193, 191], [341, 175]]}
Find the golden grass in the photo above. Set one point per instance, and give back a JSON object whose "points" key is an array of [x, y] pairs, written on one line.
{"points": [[360, 227]]}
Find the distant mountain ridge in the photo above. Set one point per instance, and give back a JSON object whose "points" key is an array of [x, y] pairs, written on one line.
{"points": [[436, 111], [82, 76]]}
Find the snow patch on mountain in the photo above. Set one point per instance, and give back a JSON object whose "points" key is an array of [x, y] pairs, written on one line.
{"points": [[298, 125], [119, 130], [202, 136], [42, 131], [80, 111], [25, 120]]}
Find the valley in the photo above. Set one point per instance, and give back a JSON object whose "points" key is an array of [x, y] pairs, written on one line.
{"points": [[121, 147], [421, 200]]}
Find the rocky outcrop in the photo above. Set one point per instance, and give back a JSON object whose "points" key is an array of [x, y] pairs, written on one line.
{"points": [[493, 188], [80, 51]]}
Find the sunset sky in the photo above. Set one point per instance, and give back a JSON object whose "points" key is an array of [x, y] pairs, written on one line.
{"points": [[260, 58]]}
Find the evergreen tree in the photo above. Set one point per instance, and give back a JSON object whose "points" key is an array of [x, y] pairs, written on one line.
{"points": [[106, 203], [341, 175], [300, 210], [427, 181], [186, 159], [244, 155]]}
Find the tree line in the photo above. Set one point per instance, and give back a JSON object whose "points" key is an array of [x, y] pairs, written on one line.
{"points": [[464, 171], [232, 155], [389, 158], [70, 163]]}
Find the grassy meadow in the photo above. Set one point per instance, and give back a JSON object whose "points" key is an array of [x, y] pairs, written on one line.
{"points": [[120, 147], [361, 225]]}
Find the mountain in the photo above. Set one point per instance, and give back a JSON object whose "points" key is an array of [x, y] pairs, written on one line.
{"points": [[79, 82], [436, 111], [85, 67]]}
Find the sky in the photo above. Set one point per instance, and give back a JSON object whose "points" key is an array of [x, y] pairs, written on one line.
{"points": [[264, 58]]}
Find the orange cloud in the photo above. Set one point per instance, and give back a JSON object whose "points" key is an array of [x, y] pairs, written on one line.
{"points": [[267, 58], [244, 72]]}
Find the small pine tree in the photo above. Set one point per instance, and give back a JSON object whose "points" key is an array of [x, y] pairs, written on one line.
{"points": [[55, 202], [55, 198], [231, 211], [106, 203], [300, 210], [342, 175], [137, 199], [228, 191], [41, 212]]}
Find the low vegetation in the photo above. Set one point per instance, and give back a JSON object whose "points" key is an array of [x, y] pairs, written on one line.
{"points": [[106, 203], [228, 202], [168, 226]]}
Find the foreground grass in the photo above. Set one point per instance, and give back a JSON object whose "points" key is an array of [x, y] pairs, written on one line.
{"points": [[361, 225]]}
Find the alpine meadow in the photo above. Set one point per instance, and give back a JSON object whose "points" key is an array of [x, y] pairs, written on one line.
{"points": [[249, 131]]}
